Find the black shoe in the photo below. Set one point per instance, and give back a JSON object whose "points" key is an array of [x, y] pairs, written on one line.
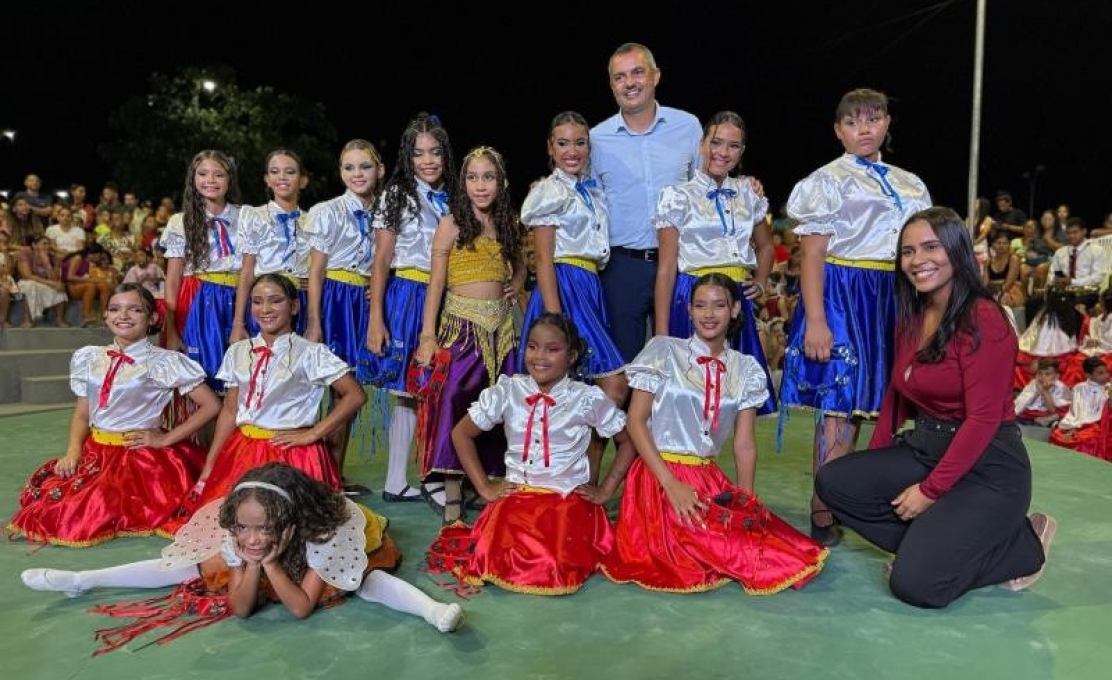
{"points": [[828, 535], [351, 489], [403, 497], [427, 491]]}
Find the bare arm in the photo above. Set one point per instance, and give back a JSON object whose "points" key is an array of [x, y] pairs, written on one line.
{"points": [[745, 448], [351, 399], [377, 335], [208, 406], [687, 505], [442, 242], [762, 243], [175, 270], [318, 261], [544, 243], [626, 454], [463, 439], [668, 248], [78, 430], [225, 425], [817, 341], [243, 291]]}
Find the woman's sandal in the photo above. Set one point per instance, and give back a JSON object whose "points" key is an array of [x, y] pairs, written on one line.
{"points": [[828, 535], [427, 491], [462, 513]]}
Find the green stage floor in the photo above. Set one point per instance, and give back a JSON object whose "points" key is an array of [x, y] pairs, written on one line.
{"points": [[844, 624]]}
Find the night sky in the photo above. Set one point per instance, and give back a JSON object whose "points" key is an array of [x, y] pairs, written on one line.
{"points": [[497, 78]]}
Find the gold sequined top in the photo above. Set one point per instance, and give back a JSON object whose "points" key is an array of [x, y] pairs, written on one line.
{"points": [[484, 263]]}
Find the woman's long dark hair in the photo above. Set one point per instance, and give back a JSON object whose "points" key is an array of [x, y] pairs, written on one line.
{"points": [[194, 219], [507, 228], [966, 290], [400, 191]]}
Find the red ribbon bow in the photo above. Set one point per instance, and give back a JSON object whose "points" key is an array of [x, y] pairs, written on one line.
{"points": [[118, 359], [719, 368], [264, 353], [533, 400]]}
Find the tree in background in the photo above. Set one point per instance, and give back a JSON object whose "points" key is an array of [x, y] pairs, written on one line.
{"points": [[157, 133]]}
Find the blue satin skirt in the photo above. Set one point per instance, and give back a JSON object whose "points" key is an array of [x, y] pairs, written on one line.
{"points": [[208, 327], [581, 299], [404, 307], [861, 313], [344, 319]]}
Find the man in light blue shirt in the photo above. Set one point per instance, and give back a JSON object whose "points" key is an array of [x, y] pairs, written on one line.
{"points": [[634, 154]]}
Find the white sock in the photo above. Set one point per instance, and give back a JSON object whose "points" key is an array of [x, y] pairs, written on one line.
{"points": [[380, 587], [145, 574], [403, 423]]}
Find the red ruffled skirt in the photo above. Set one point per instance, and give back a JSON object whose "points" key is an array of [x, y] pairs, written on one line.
{"points": [[116, 491], [538, 542], [741, 542], [1091, 439], [242, 453]]}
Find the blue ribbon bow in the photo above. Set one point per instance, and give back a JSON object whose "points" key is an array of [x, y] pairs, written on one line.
{"points": [[881, 176], [584, 187], [439, 200], [284, 219], [716, 195], [363, 218]]}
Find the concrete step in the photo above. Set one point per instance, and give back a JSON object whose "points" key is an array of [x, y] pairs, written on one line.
{"points": [[52, 338], [17, 310], [15, 365], [23, 409], [45, 389]]}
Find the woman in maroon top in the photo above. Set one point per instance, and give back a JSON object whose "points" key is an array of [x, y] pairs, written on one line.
{"points": [[950, 496]]}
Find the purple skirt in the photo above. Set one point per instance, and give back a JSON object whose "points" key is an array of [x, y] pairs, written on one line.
{"points": [[467, 377]]}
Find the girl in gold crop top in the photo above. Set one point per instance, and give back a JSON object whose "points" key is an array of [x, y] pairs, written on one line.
{"points": [[477, 270]]}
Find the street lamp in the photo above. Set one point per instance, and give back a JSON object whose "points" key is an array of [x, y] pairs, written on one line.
{"points": [[10, 134], [1032, 178], [208, 85]]}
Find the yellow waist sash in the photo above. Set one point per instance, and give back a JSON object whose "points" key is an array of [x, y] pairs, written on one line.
{"points": [[110, 438], [526, 488], [685, 458], [219, 278], [413, 274], [881, 265], [255, 432], [581, 262], [347, 276], [738, 274]]}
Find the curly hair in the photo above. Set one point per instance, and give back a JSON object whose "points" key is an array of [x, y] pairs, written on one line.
{"points": [[194, 219], [401, 189], [313, 508], [507, 226]]}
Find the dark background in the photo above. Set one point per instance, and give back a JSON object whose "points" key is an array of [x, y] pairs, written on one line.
{"points": [[496, 76]]}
